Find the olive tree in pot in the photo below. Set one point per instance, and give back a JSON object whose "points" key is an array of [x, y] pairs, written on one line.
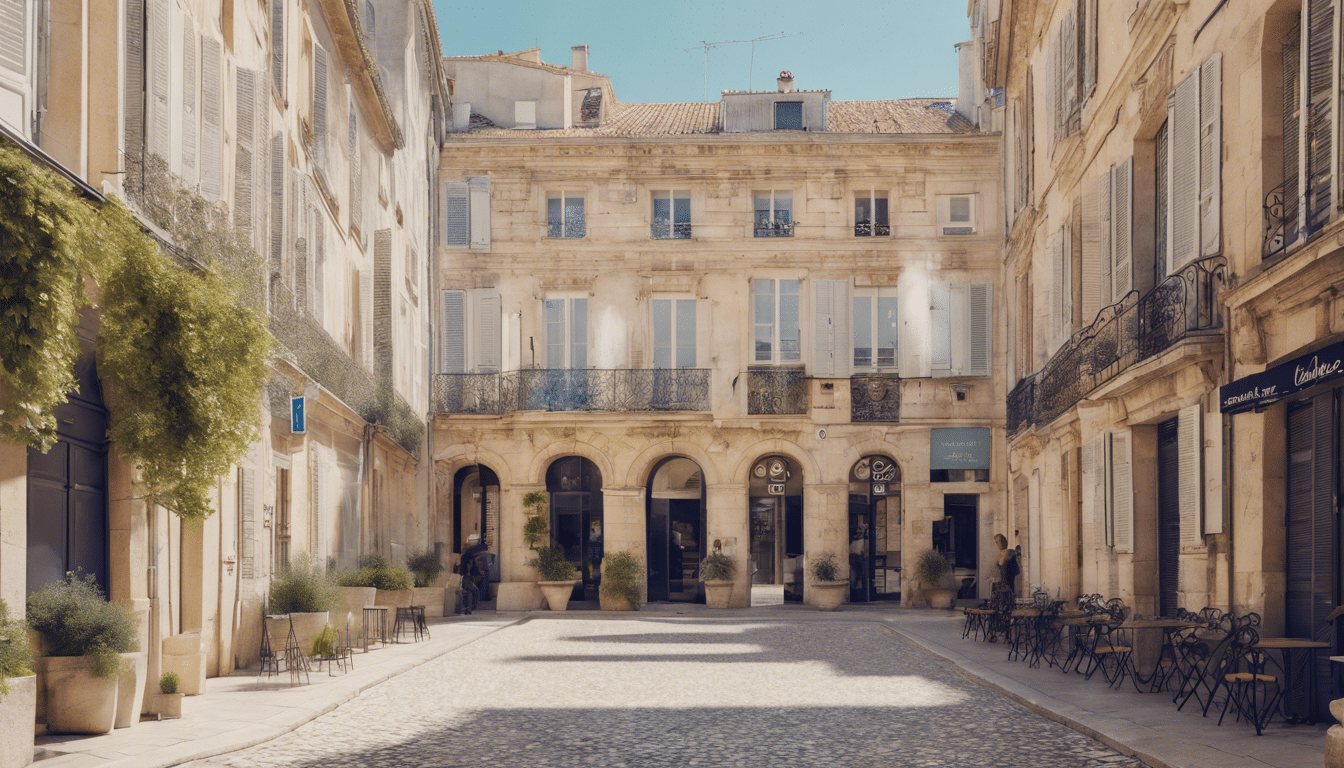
{"points": [[558, 576], [932, 569], [89, 643], [717, 571], [18, 693], [426, 569], [307, 594], [828, 588], [622, 586]]}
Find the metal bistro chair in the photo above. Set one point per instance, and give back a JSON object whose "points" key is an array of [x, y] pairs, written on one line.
{"points": [[1250, 691], [1112, 652], [1206, 660]]}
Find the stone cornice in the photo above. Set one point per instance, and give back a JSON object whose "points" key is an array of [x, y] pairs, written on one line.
{"points": [[767, 138], [342, 18]]}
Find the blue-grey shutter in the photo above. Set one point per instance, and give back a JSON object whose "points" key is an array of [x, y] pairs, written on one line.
{"points": [[454, 332], [456, 227]]}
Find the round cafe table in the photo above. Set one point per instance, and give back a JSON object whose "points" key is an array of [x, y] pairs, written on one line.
{"points": [[1298, 653]]}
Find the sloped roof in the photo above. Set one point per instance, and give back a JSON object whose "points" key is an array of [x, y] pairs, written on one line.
{"points": [[896, 116]]}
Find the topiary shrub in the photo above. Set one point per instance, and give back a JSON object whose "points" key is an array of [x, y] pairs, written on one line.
{"points": [[303, 587], [621, 573], [324, 645], [377, 572], [931, 567], [536, 528], [74, 619], [717, 567], [425, 566], [825, 568], [551, 565], [168, 682], [16, 657]]}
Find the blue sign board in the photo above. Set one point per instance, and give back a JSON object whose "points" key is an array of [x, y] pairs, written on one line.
{"points": [[959, 448], [1261, 389], [298, 420]]}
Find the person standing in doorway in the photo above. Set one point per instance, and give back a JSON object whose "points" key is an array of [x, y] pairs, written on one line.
{"points": [[473, 569], [1008, 566]]}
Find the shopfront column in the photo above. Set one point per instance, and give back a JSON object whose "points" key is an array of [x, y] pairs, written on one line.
{"points": [[726, 520]]}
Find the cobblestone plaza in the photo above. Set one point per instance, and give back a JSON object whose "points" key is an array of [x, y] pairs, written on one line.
{"points": [[679, 692]]}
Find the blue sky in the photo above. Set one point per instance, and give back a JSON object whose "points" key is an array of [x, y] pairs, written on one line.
{"points": [[859, 49]]}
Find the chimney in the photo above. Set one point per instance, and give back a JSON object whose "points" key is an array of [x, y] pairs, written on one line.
{"points": [[580, 57], [785, 82]]}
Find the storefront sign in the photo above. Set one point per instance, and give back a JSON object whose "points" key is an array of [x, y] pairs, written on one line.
{"points": [[1261, 389], [298, 423], [959, 448]]}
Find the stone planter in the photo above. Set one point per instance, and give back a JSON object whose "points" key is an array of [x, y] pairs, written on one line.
{"points": [[828, 595], [169, 704], [394, 598], [718, 594], [18, 709], [78, 702], [183, 654], [613, 603], [430, 597], [557, 593], [131, 688], [307, 626], [356, 600], [940, 598]]}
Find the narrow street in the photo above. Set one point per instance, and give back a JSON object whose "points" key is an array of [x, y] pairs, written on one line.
{"points": [[653, 691]]}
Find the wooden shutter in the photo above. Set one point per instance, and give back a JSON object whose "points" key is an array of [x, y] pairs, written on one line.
{"points": [[133, 117], [1095, 474], [454, 332], [843, 340], [303, 298], [823, 352], [1319, 110], [940, 324], [1106, 233], [1090, 283], [1183, 127], [487, 331], [1213, 473], [1190, 485], [1052, 93], [188, 103], [366, 317], [277, 222], [1088, 8], [958, 308], [1122, 221], [1068, 31], [356, 184], [317, 502], [14, 43], [1122, 493], [456, 214], [160, 78], [1066, 283], [1292, 115], [479, 189], [278, 47], [982, 329], [247, 516], [1211, 153], [212, 119], [261, 142], [1057, 282], [245, 116], [382, 303], [320, 107], [319, 265]]}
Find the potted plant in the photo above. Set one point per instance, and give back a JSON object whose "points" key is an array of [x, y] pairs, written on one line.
{"points": [[425, 571], [828, 589], [307, 594], [621, 584], [18, 692], [558, 576], [931, 568], [717, 571], [170, 701], [393, 583], [536, 528], [84, 636]]}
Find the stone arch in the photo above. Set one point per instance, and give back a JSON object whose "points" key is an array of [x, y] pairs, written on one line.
{"points": [[454, 457], [542, 459], [857, 451], [641, 466], [752, 453]]}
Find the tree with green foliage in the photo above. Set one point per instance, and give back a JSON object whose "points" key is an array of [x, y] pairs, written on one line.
{"points": [[16, 657]]}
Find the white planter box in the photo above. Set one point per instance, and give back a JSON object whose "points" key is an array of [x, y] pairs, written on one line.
{"points": [[18, 710]]}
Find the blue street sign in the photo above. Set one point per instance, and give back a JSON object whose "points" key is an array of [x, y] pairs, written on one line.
{"points": [[298, 422]]}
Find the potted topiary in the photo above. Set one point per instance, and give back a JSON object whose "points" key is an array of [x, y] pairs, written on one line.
{"points": [[307, 594], [621, 584], [425, 571], [717, 571], [536, 528], [18, 692], [558, 576], [170, 701], [931, 568], [828, 588], [85, 637]]}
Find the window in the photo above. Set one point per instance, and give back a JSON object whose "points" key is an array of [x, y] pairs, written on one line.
{"points": [[1194, 166], [870, 214], [788, 115], [671, 216], [776, 313], [956, 214], [960, 330], [465, 212], [471, 331], [875, 329], [674, 333], [566, 333], [774, 214], [565, 215], [1073, 70], [1108, 241]]}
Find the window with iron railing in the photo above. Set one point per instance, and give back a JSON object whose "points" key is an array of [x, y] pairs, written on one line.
{"points": [[774, 213], [565, 215], [871, 215], [671, 215]]}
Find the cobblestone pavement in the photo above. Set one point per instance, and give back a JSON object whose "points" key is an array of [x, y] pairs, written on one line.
{"points": [[659, 692]]}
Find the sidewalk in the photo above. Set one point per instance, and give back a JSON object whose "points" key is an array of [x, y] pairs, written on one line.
{"points": [[1144, 725], [243, 709]]}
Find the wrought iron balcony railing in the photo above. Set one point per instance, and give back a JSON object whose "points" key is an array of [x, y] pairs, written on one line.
{"points": [[1280, 224], [774, 228], [1123, 334], [776, 391], [540, 389], [662, 229], [874, 398]]}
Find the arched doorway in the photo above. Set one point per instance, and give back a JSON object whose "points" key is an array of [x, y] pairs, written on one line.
{"points": [[775, 510], [675, 525], [476, 510], [874, 530], [575, 487]]}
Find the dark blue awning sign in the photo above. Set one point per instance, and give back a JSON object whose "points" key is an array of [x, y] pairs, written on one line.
{"points": [[1283, 380]]}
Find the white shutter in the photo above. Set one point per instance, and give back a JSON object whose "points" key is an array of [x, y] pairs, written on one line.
{"points": [[842, 343], [1122, 219], [160, 77], [982, 329], [487, 331], [454, 332], [1183, 144], [244, 131], [1057, 335], [479, 189], [320, 107], [317, 503], [1210, 155], [1068, 31], [823, 350], [1213, 473], [262, 148], [1106, 205], [356, 183], [278, 46], [247, 514], [1190, 479], [366, 316], [188, 102], [1094, 470], [134, 115], [1051, 91], [959, 329], [212, 119], [277, 222], [319, 267], [1066, 282], [1122, 493], [1089, 47], [456, 214], [940, 347], [14, 38], [1090, 284]]}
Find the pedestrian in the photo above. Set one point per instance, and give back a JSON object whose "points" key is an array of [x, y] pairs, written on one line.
{"points": [[474, 574]]}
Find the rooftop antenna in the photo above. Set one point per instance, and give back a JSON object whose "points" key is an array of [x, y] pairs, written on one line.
{"points": [[766, 38], [707, 46]]}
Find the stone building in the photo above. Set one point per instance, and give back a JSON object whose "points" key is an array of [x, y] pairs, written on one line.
{"points": [[310, 126], [769, 325]]}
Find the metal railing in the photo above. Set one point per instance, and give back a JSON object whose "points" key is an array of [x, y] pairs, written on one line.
{"points": [[1123, 334], [540, 389], [773, 228], [874, 398], [1280, 228], [662, 229], [776, 391]]}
